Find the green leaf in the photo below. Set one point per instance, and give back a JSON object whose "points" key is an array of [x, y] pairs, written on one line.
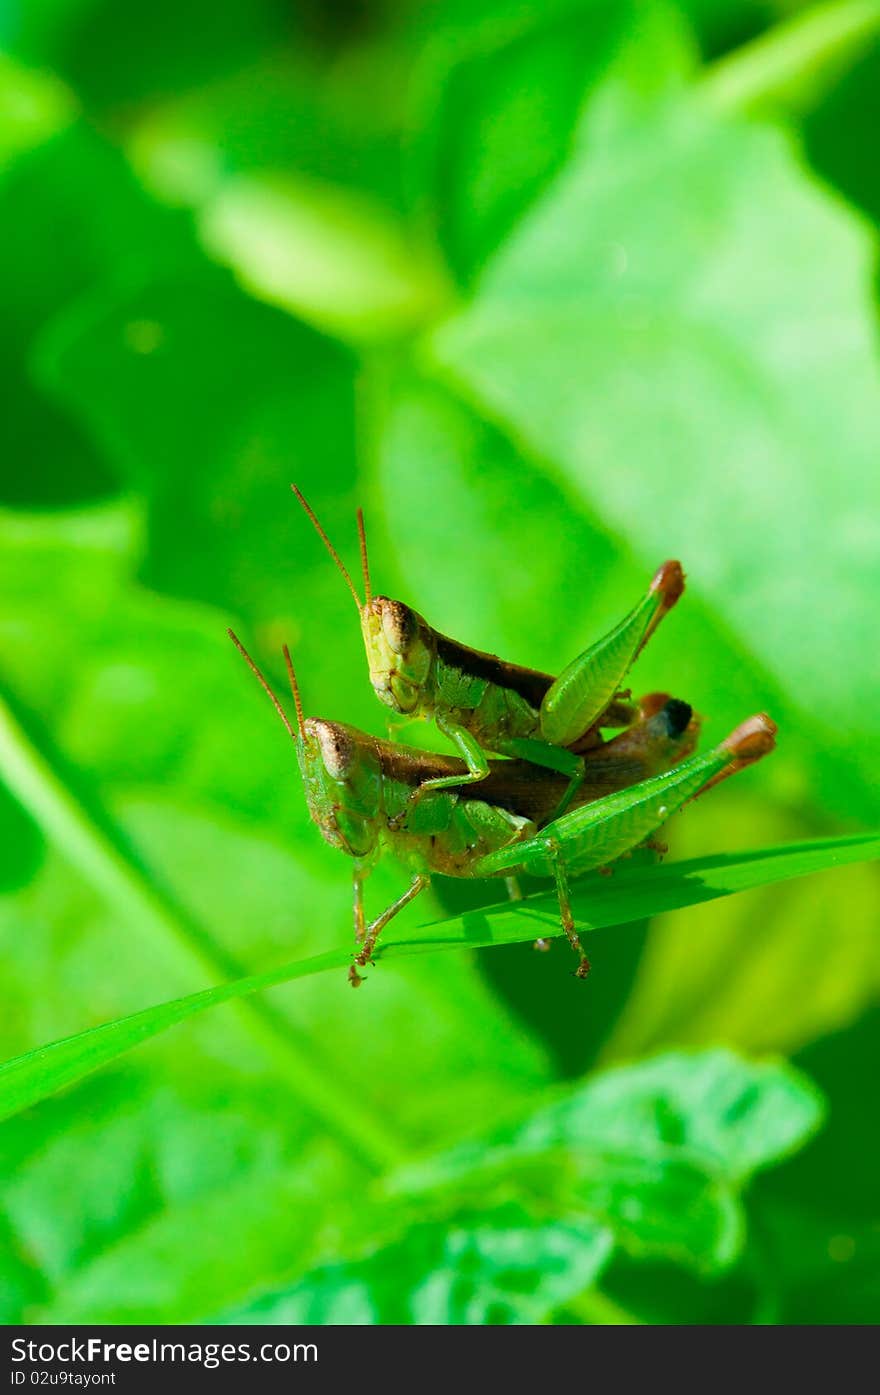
{"points": [[657, 1151], [119, 57], [323, 116], [52, 250], [40, 1073], [662, 1207], [502, 1266], [503, 106], [210, 404], [326, 254], [829, 136], [258, 1226], [33, 107], [176, 1159], [735, 1116]]}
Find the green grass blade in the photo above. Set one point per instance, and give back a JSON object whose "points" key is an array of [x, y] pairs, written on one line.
{"points": [[37, 1074], [637, 893], [600, 903], [793, 62], [88, 837]]}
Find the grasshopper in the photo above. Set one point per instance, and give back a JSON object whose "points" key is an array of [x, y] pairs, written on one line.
{"points": [[482, 703], [594, 835], [359, 793]]}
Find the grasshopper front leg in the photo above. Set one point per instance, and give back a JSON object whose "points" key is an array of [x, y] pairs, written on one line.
{"points": [[363, 957], [473, 756], [357, 881]]}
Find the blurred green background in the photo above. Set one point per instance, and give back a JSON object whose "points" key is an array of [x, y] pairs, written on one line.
{"points": [[554, 289]]}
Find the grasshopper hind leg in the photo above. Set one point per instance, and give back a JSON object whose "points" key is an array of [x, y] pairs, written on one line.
{"points": [[514, 893]]}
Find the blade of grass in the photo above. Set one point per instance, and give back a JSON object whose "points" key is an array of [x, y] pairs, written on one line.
{"points": [[596, 1309], [98, 851], [631, 895], [791, 61]]}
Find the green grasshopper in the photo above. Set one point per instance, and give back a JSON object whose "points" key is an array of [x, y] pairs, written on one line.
{"points": [[482, 703], [359, 793], [596, 834]]}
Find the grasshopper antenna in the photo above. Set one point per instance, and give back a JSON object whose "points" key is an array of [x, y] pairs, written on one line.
{"points": [[294, 687], [263, 683], [327, 543], [365, 561]]}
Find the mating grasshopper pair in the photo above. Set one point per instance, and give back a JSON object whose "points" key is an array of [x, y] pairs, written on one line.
{"points": [[563, 801]]}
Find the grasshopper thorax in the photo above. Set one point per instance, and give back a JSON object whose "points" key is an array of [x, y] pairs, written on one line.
{"points": [[343, 784], [400, 651]]}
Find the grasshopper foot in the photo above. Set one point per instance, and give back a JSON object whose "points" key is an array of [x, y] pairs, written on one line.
{"points": [[354, 978], [583, 968], [542, 945], [653, 845]]}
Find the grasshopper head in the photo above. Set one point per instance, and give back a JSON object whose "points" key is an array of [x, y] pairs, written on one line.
{"points": [[339, 766], [397, 640], [399, 652], [342, 780]]}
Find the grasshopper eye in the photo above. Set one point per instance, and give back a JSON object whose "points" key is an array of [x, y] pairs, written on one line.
{"points": [[399, 625], [337, 749], [678, 715]]}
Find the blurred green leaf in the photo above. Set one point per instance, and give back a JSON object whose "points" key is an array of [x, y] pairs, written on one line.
{"points": [[260, 1225], [211, 404], [117, 56], [831, 135], [657, 1151], [53, 249], [327, 254], [504, 1266], [33, 107], [667, 1207], [337, 118], [175, 1159], [502, 106]]}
